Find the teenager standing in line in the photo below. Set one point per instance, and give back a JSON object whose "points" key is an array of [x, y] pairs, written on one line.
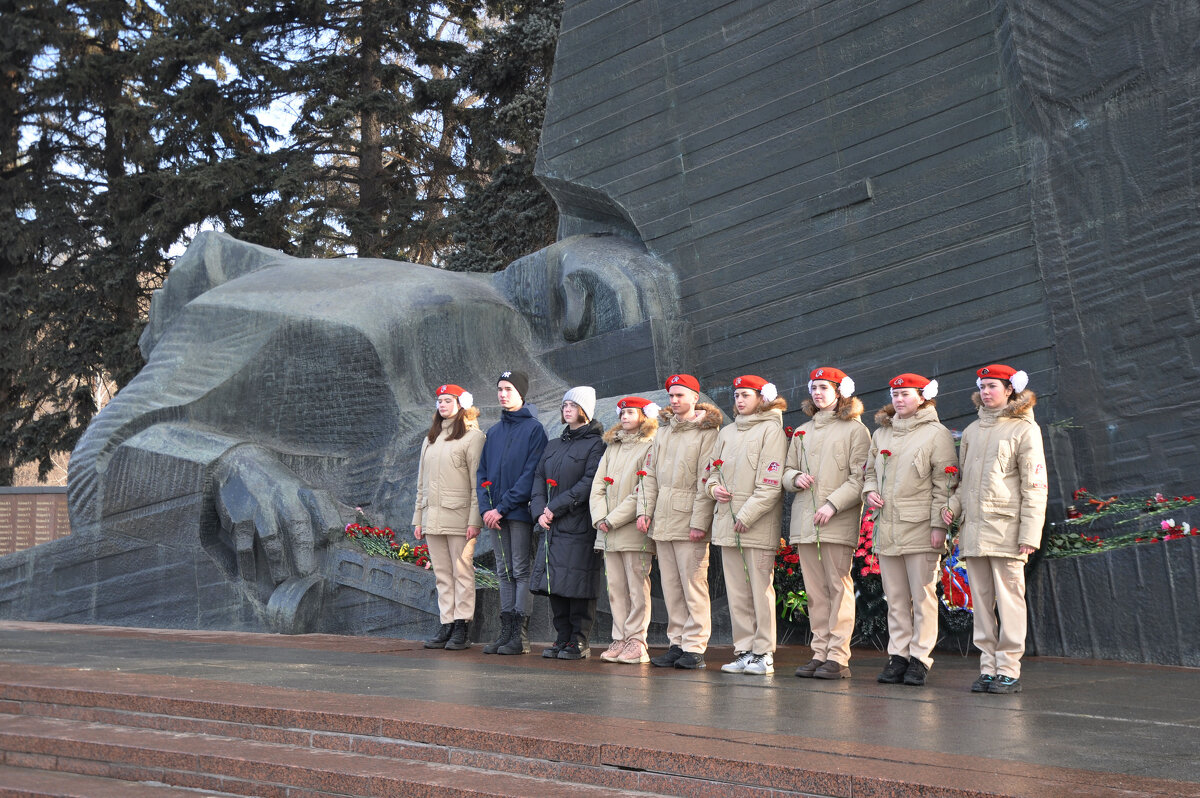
{"points": [[825, 463], [504, 482], [746, 472], [566, 566], [907, 484], [617, 500], [678, 516], [1001, 505], [447, 512]]}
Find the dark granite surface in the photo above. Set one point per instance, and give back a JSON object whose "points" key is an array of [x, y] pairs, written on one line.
{"points": [[1110, 718]]}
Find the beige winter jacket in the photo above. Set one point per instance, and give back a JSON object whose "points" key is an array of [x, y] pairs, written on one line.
{"points": [[673, 486], [833, 450], [621, 502], [915, 483], [446, 500], [1001, 500], [752, 450]]}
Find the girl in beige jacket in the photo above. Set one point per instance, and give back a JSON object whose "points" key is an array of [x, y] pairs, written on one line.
{"points": [[906, 485], [1001, 507], [617, 499], [824, 468], [447, 512], [744, 478]]}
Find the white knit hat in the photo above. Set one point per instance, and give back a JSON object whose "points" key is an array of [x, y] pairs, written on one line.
{"points": [[585, 397]]}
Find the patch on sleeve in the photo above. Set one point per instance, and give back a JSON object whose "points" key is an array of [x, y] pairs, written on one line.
{"points": [[770, 481], [773, 467]]}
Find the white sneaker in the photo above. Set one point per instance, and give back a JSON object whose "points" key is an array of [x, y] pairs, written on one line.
{"points": [[740, 661], [760, 664]]}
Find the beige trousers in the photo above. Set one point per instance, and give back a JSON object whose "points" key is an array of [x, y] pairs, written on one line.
{"points": [[830, 598], [909, 584], [683, 571], [628, 574], [751, 603], [453, 559], [998, 586]]}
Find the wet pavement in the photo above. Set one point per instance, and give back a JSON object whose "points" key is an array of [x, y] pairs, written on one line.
{"points": [[1137, 720]]}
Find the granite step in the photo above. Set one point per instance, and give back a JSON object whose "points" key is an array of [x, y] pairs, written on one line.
{"points": [[237, 737], [333, 723], [38, 782], [254, 768]]}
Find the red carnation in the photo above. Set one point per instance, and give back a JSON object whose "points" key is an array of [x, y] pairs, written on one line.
{"points": [[487, 483], [886, 452], [800, 432], [788, 431], [609, 480], [718, 463], [641, 473], [951, 470], [552, 483]]}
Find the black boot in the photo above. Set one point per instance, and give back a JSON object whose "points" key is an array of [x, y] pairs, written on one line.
{"points": [[458, 637], [519, 642], [506, 632], [439, 639]]}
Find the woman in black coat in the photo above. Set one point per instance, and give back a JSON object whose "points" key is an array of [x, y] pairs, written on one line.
{"points": [[566, 565]]}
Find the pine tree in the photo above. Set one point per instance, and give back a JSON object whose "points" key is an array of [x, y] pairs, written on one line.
{"points": [[506, 213], [379, 129], [121, 135]]}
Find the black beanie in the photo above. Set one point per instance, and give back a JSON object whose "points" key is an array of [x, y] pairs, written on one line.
{"points": [[519, 380]]}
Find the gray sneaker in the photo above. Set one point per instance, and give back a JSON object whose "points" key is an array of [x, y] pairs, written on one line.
{"points": [[740, 660], [760, 665], [1005, 684]]}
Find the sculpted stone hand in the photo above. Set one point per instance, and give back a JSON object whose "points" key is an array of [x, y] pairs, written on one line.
{"points": [[259, 500]]}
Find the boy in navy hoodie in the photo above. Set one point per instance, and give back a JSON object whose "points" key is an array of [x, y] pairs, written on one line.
{"points": [[505, 482]]}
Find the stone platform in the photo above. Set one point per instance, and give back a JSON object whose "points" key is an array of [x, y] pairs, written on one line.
{"points": [[100, 711]]}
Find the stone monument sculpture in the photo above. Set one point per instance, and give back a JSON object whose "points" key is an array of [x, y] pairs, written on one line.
{"points": [[280, 393], [765, 187]]}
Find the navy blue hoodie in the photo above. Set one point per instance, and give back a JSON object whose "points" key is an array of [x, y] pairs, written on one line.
{"points": [[510, 456]]}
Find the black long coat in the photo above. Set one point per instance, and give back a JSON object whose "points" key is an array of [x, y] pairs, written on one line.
{"points": [[565, 561]]}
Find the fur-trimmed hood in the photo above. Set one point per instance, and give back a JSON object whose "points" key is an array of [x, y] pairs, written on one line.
{"points": [[886, 414], [1022, 404], [849, 409], [712, 417], [644, 432]]}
